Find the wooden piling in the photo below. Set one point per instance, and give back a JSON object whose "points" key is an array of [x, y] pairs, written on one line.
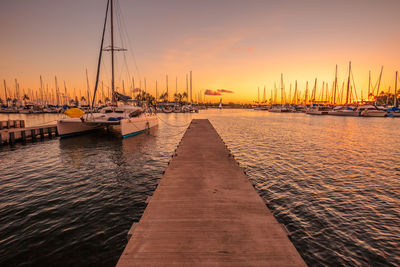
{"points": [[12, 138], [49, 132], [41, 134], [23, 137], [33, 135]]}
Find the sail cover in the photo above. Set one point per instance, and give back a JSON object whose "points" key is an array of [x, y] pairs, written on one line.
{"points": [[121, 97]]}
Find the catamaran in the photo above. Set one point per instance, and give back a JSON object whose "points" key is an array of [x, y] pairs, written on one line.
{"points": [[125, 120]]}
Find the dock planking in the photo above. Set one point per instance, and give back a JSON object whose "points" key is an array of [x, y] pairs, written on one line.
{"points": [[205, 212]]}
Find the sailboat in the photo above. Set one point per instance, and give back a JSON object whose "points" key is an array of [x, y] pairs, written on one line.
{"points": [[220, 104], [125, 120]]}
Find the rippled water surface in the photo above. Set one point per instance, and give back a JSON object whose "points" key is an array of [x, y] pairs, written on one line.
{"points": [[333, 181]]}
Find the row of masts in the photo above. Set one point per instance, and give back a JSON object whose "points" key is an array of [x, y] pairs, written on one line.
{"points": [[327, 93], [54, 95]]}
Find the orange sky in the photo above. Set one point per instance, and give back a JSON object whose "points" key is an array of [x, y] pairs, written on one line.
{"points": [[233, 45]]}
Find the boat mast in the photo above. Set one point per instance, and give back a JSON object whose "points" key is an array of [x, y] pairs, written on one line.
{"points": [[379, 82], [112, 53], [100, 56], [348, 85], [281, 88], [395, 92], [191, 89], [369, 85], [335, 87], [187, 89], [5, 90]]}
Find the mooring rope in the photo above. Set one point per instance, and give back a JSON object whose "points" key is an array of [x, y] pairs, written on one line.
{"points": [[178, 126]]}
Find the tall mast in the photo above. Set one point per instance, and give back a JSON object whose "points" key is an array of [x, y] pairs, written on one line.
{"points": [[65, 92], [314, 90], [41, 88], [395, 92], [263, 100], [87, 84], [306, 95], [5, 89], [281, 88], [191, 92], [258, 100], [166, 81], [56, 84], [112, 51], [348, 85], [335, 87], [379, 82], [100, 56], [369, 85], [187, 89], [156, 91]]}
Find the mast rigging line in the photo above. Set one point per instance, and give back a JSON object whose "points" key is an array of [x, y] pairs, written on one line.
{"points": [[128, 39], [354, 85], [100, 54], [167, 123]]}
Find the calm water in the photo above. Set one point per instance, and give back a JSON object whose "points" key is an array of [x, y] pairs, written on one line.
{"points": [[333, 181]]}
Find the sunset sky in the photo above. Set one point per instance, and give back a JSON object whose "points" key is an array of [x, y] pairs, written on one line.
{"points": [[228, 44]]}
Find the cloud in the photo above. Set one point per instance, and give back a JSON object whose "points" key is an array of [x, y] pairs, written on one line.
{"points": [[211, 92], [224, 91]]}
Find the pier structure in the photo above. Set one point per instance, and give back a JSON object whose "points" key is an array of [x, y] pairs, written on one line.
{"points": [[14, 131], [205, 212]]}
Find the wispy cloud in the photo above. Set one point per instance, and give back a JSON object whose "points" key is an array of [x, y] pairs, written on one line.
{"points": [[224, 91], [211, 92]]}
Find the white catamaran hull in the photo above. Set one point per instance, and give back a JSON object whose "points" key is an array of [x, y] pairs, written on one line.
{"points": [[70, 127], [125, 127], [133, 126]]}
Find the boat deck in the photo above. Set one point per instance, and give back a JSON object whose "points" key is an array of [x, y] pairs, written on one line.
{"points": [[205, 212]]}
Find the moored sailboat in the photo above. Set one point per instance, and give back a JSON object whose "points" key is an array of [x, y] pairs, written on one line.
{"points": [[125, 120]]}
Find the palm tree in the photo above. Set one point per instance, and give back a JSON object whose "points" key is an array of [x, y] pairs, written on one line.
{"points": [[25, 97], [185, 96], [107, 100], [14, 102], [8, 100], [1, 102], [164, 97]]}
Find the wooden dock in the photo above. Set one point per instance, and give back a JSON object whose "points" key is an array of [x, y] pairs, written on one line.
{"points": [[14, 131], [205, 212]]}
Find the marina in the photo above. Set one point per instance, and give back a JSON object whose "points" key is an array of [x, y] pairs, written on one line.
{"points": [[199, 133], [82, 194]]}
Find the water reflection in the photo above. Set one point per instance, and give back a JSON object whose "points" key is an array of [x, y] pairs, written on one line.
{"points": [[333, 181]]}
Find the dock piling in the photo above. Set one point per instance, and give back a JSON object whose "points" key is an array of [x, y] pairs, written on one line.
{"points": [[49, 132], [41, 134], [33, 135], [12, 138], [23, 137]]}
